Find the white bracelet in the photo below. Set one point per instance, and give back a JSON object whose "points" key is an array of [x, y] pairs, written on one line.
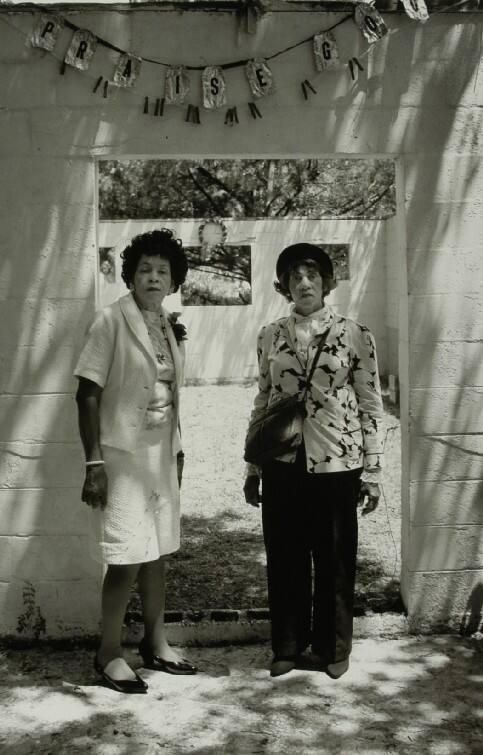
{"points": [[93, 463]]}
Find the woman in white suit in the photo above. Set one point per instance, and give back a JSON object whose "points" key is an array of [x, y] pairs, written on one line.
{"points": [[130, 372]]}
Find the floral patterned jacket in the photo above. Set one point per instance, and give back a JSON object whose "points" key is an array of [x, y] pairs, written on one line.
{"points": [[343, 426]]}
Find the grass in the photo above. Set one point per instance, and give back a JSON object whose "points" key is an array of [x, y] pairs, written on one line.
{"points": [[221, 563]]}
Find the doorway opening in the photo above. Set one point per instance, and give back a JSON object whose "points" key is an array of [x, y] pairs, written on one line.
{"points": [[234, 216]]}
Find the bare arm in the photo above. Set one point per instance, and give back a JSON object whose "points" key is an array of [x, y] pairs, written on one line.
{"points": [[88, 397]]}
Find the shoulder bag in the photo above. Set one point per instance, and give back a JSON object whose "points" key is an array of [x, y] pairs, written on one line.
{"points": [[279, 429]]}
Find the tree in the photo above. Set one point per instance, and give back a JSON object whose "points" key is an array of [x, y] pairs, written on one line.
{"points": [[350, 188]]}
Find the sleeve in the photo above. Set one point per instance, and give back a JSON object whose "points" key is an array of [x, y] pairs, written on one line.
{"points": [[264, 386], [368, 392], [95, 358]]}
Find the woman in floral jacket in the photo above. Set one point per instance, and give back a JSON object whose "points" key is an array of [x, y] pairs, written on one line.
{"points": [[310, 496]]}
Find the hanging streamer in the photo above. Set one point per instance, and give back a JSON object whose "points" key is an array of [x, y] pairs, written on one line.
{"points": [[177, 85], [46, 32], [214, 88], [260, 77], [127, 70], [325, 51], [370, 22], [81, 50], [416, 9]]}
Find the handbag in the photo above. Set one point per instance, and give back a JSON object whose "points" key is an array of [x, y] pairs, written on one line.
{"points": [[279, 429]]}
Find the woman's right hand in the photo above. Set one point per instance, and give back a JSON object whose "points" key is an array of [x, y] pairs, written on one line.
{"points": [[94, 490], [251, 489]]}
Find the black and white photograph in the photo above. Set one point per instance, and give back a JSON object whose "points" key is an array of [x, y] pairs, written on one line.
{"points": [[241, 286]]}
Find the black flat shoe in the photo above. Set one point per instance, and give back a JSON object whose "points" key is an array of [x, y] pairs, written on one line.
{"points": [[335, 670], [156, 663], [282, 665], [135, 686]]}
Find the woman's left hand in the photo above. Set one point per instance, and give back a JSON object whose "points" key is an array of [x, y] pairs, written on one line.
{"points": [[372, 492]]}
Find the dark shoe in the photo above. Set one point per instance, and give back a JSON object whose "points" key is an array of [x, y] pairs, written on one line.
{"points": [[282, 665], [156, 663], [335, 670], [135, 686], [309, 661]]}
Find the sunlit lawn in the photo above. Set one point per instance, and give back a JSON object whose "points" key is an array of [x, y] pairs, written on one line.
{"points": [[221, 563]]}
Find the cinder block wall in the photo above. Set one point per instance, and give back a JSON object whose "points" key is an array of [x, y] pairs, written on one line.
{"points": [[419, 99]]}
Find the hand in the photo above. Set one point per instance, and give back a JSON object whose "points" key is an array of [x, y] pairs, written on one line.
{"points": [[94, 490], [251, 489], [180, 466], [372, 492]]}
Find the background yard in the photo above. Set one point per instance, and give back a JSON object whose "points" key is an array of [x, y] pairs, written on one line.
{"points": [[221, 562]]}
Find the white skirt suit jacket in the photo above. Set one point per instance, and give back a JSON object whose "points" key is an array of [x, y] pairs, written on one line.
{"points": [[119, 357]]}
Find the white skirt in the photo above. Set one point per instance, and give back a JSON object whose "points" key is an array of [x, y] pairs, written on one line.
{"points": [[141, 519]]}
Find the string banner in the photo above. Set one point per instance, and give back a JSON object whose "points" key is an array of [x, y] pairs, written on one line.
{"points": [[260, 77], [370, 22], [127, 70], [177, 85], [46, 32], [214, 88], [416, 9], [325, 51], [81, 50]]}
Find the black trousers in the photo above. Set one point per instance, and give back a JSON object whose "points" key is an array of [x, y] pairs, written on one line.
{"points": [[310, 530]]}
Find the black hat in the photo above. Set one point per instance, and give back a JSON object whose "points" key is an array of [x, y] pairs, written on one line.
{"points": [[297, 252]]}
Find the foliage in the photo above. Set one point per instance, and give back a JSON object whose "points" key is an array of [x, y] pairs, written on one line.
{"points": [[175, 189]]}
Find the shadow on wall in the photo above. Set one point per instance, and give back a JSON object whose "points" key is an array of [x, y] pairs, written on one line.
{"points": [[445, 426], [47, 300]]}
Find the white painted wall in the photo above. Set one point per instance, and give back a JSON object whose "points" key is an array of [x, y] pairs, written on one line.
{"points": [[419, 98]]}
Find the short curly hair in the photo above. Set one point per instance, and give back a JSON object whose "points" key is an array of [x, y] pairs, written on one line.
{"points": [[282, 285], [160, 243]]}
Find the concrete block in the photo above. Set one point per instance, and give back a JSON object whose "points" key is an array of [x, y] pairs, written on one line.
{"points": [[444, 317], [37, 465], [446, 178], [78, 607], [450, 363], [446, 503], [15, 135], [443, 548], [42, 511], [52, 558], [437, 271], [67, 132], [40, 418], [29, 83], [446, 225], [33, 369], [43, 322], [445, 457], [5, 559], [11, 607], [445, 601], [447, 410]]}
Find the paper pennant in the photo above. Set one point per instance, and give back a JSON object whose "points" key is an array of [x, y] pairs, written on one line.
{"points": [[177, 85], [127, 70], [214, 88], [81, 49], [260, 77], [325, 51], [46, 32], [416, 9], [370, 22]]}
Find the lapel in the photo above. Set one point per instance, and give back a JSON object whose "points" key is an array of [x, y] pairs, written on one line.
{"points": [[135, 321], [175, 349]]}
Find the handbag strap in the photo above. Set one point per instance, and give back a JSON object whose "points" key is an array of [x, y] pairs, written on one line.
{"points": [[321, 344]]}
